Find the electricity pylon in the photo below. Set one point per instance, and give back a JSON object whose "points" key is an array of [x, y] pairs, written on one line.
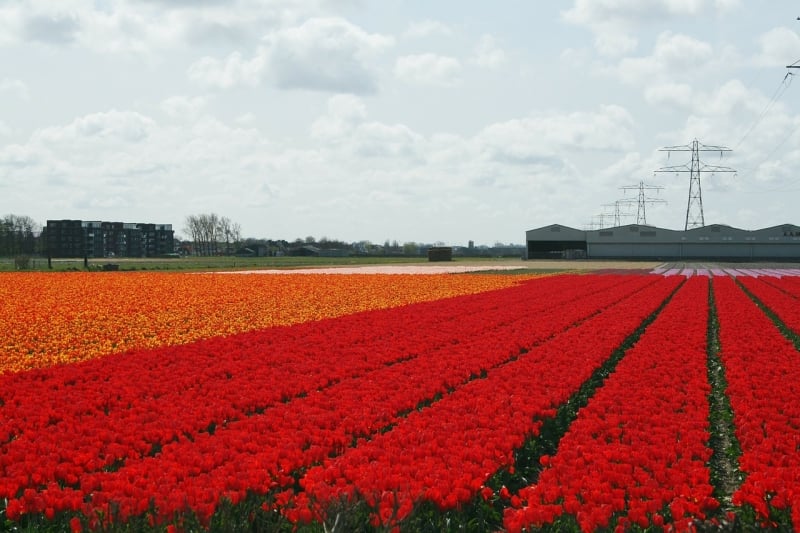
{"points": [[642, 200], [617, 213], [694, 208], [598, 222]]}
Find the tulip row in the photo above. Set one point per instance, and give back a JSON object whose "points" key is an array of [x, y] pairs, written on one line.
{"points": [[642, 435], [64, 428], [763, 384], [48, 319], [780, 296], [446, 453]]}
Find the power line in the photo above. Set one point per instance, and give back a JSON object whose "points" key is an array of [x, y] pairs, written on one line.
{"points": [[774, 150], [779, 91]]}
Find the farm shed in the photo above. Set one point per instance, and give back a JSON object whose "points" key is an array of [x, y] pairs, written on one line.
{"points": [[633, 241], [440, 253], [556, 242]]}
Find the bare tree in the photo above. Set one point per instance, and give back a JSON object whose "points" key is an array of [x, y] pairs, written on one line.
{"points": [[231, 233], [18, 235], [193, 229], [210, 231]]}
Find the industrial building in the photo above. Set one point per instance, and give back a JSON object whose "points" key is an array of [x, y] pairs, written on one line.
{"points": [[90, 239], [714, 242]]}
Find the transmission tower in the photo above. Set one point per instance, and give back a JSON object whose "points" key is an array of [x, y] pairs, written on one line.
{"points": [[642, 200], [694, 208], [598, 222], [616, 213]]}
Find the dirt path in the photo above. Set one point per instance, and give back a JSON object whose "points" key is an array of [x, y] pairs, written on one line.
{"points": [[467, 266]]}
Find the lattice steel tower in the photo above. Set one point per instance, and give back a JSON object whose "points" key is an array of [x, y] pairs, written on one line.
{"points": [[643, 200], [694, 208]]}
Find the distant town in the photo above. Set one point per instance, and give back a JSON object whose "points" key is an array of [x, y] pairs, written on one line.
{"points": [[207, 235]]}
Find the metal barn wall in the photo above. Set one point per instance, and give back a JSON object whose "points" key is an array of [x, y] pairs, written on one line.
{"points": [[778, 251], [609, 250], [633, 241], [716, 250]]}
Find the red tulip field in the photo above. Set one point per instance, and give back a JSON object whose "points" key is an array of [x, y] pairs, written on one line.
{"points": [[368, 402]]}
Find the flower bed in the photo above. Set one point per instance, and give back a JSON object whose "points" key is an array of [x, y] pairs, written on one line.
{"points": [[780, 296], [69, 425], [446, 453], [413, 414], [763, 383], [642, 436], [58, 318]]}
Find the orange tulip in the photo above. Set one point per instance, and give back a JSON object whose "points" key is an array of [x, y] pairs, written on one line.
{"points": [[58, 318]]}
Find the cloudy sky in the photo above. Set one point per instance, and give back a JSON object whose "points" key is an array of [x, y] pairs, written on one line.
{"points": [[405, 120]]}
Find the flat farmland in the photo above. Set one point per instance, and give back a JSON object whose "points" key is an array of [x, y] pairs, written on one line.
{"points": [[638, 396]]}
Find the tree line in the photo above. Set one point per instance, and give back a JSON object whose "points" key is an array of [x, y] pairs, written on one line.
{"points": [[209, 234], [212, 234], [19, 235]]}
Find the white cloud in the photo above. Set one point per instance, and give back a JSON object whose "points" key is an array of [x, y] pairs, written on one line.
{"points": [[731, 104], [78, 23], [672, 94], [321, 54], [615, 22], [18, 88], [10, 24], [182, 107], [246, 119], [115, 126], [615, 43], [730, 99], [54, 24], [779, 47], [345, 112], [725, 7], [52, 28], [15, 156], [674, 57], [132, 161], [488, 54], [147, 27], [428, 69], [325, 54], [592, 12], [426, 28], [577, 58], [542, 138], [346, 130], [231, 72], [355, 169], [678, 51]]}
